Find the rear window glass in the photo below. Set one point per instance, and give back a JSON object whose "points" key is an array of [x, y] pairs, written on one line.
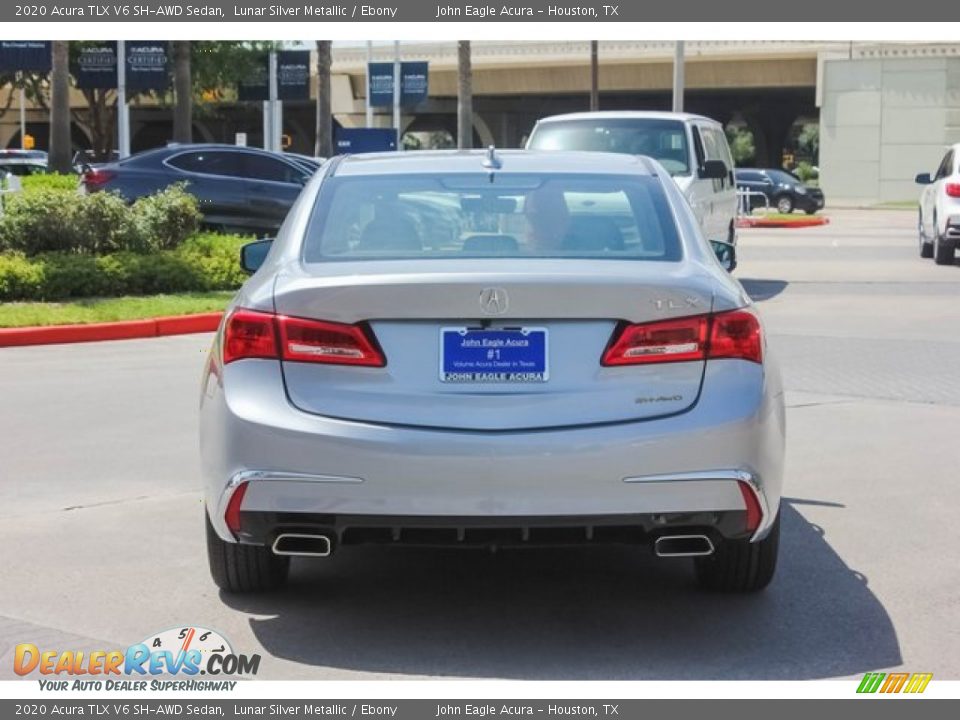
{"points": [[496, 215], [663, 140]]}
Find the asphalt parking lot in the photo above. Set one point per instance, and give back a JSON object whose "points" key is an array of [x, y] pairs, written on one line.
{"points": [[101, 534]]}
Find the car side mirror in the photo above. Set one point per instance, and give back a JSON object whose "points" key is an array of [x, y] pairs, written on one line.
{"points": [[713, 170], [726, 254], [923, 179], [253, 254]]}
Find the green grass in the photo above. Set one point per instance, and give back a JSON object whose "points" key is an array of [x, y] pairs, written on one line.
{"points": [[94, 310]]}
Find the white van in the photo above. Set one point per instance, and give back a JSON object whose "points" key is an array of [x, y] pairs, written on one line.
{"points": [[692, 148]]}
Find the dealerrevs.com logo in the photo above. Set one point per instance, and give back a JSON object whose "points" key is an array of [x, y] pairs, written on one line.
{"points": [[187, 652]]}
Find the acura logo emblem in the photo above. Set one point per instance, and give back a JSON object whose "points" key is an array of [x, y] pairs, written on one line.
{"points": [[494, 301]]}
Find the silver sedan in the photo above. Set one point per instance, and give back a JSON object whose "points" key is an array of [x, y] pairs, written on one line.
{"points": [[491, 349]]}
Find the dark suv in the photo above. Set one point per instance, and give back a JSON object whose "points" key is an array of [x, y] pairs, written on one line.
{"points": [[238, 188], [785, 192]]}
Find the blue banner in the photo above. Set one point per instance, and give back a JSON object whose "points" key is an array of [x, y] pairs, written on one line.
{"points": [[414, 84], [364, 140], [24, 56]]}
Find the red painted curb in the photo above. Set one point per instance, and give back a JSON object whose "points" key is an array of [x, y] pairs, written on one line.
{"points": [[798, 223], [125, 330]]}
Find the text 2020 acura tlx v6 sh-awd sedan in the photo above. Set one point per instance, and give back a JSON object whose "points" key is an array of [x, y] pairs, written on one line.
{"points": [[491, 349]]}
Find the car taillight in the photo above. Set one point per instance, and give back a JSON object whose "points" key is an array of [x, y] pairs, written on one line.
{"points": [[250, 334], [733, 334], [952, 189], [254, 334], [664, 341], [97, 177], [736, 334]]}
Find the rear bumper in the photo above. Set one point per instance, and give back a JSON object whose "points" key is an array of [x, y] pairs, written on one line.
{"points": [[307, 470]]}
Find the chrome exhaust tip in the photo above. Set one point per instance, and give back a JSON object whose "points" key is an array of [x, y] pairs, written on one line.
{"points": [[683, 546], [302, 545]]}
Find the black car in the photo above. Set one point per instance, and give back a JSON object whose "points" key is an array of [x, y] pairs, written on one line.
{"points": [[784, 191], [238, 188]]}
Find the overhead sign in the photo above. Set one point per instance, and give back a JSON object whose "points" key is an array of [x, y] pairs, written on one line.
{"points": [[364, 140], [414, 85], [293, 78], [24, 56]]}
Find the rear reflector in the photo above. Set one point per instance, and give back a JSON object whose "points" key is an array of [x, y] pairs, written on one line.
{"points": [[734, 334], [232, 514], [952, 189], [254, 334], [754, 513]]}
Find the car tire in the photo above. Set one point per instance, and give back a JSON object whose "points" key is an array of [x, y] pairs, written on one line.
{"points": [[942, 249], [239, 568], [740, 566], [784, 204], [812, 211], [926, 248]]}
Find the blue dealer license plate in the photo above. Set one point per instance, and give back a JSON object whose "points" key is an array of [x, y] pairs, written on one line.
{"points": [[493, 356]]}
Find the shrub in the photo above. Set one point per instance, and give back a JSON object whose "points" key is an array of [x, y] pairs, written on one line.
{"points": [[167, 218], [53, 181], [39, 221], [204, 262]]}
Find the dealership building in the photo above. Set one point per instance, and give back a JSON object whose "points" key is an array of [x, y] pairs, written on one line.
{"points": [[885, 111]]}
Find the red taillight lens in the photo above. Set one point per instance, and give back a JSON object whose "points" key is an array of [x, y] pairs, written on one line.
{"points": [[952, 189], [666, 341], [754, 513], [232, 514], [324, 342], [252, 334], [97, 178], [734, 334]]}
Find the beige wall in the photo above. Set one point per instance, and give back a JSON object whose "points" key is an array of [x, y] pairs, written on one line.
{"points": [[882, 121]]}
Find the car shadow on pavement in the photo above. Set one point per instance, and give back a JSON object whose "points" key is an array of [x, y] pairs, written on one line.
{"points": [[760, 290], [586, 613]]}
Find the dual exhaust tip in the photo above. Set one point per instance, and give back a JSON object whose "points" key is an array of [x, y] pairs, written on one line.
{"points": [[313, 545], [302, 545], [683, 546]]}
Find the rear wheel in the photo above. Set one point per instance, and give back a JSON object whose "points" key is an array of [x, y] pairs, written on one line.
{"points": [[238, 568], [785, 204], [942, 248], [926, 248], [740, 566]]}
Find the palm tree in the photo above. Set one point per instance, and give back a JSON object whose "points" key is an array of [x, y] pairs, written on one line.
{"points": [[464, 96], [324, 145], [183, 93], [60, 159]]}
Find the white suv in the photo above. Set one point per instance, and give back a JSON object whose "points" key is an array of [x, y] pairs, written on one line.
{"points": [[692, 148], [939, 222]]}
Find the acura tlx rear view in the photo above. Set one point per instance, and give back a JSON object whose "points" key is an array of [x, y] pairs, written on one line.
{"points": [[441, 349]]}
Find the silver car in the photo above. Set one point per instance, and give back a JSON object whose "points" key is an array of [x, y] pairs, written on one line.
{"points": [[491, 349]]}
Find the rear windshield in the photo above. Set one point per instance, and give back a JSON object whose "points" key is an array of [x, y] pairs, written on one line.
{"points": [[492, 215], [663, 140]]}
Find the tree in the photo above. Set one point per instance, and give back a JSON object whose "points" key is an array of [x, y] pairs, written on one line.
{"points": [[182, 92], [61, 155], [324, 144], [594, 75], [742, 147], [464, 96]]}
